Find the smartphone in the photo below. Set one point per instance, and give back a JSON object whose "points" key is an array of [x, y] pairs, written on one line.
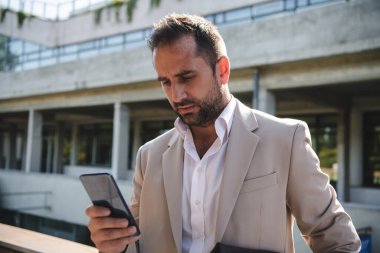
{"points": [[103, 191]]}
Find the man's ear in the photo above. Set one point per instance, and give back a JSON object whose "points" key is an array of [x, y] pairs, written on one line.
{"points": [[223, 69]]}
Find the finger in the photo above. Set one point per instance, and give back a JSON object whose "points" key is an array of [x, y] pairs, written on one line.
{"points": [[97, 211], [106, 222], [116, 245], [112, 234]]}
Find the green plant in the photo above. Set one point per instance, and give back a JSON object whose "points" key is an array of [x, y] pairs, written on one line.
{"points": [[3, 12], [21, 16]]}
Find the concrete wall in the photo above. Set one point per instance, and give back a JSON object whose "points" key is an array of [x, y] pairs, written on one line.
{"points": [[346, 28], [83, 27], [65, 197]]}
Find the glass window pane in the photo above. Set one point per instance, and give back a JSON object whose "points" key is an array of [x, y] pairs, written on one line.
{"points": [[89, 53], [302, 3], [268, 8], [152, 129], [219, 18], [69, 49], [95, 144], [290, 4], [67, 57], [48, 61], [134, 36], [135, 44], [31, 47], [47, 53], [16, 47], [240, 14], [31, 65], [319, 1], [111, 49], [33, 56], [86, 46], [371, 143], [115, 40]]}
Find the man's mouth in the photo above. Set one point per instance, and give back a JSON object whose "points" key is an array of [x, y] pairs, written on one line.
{"points": [[185, 109]]}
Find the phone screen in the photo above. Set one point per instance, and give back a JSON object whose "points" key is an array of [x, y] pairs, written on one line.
{"points": [[103, 191]]}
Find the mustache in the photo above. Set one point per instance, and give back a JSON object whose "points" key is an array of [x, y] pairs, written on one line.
{"points": [[184, 102]]}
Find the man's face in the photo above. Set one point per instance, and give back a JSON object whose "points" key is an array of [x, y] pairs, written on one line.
{"points": [[192, 89]]}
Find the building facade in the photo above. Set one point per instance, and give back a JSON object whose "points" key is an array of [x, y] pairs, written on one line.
{"points": [[80, 95]]}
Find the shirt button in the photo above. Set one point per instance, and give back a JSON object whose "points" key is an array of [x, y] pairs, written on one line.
{"points": [[197, 202]]}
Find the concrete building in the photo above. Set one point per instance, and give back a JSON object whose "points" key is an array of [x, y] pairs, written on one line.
{"points": [[77, 96]]}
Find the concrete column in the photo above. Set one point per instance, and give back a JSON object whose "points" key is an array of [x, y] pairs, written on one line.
{"points": [[12, 147], [7, 149], [120, 141], [343, 155], [94, 149], [136, 141], [267, 101], [34, 141], [1, 150], [24, 147], [74, 145], [58, 149], [49, 162], [356, 148]]}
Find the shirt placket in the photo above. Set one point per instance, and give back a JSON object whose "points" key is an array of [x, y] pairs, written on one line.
{"points": [[197, 207]]}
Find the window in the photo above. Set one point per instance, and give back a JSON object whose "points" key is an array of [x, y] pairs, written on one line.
{"points": [[95, 144], [152, 129], [47, 155], [371, 149], [12, 147], [2, 148], [323, 130]]}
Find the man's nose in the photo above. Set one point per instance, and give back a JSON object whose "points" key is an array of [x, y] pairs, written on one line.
{"points": [[178, 93]]}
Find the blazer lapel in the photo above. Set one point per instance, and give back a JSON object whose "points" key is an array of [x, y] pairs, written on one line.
{"points": [[241, 147], [172, 164]]}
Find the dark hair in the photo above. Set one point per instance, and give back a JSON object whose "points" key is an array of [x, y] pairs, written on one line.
{"points": [[173, 27]]}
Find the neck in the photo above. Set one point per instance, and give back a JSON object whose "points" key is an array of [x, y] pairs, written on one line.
{"points": [[204, 137]]}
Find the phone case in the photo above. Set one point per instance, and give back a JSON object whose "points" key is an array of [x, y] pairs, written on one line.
{"points": [[103, 191]]}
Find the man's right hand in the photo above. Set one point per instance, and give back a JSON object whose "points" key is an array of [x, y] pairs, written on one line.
{"points": [[110, 235]]}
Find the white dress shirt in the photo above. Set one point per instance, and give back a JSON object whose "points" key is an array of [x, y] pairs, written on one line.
{"points": [[201, 184]]}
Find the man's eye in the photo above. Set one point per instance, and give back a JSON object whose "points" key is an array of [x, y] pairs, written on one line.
{"points": [[165, 83], [186, 78]]}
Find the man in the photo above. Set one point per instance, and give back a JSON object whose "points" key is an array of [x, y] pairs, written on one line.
{"points": [[225, 173]]}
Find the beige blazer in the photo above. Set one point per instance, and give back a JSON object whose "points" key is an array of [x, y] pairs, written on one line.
{"points": [[271, 176]]}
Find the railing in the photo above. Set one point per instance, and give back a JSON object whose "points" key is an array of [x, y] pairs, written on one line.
{"points": [[14, 240], [53, 11], [21, 55]]}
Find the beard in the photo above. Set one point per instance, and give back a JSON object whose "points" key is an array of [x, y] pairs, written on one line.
{"points": [[210, 107]]}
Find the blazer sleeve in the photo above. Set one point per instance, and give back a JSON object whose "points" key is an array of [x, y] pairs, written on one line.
{"points": [[137, 185], [324, 224]]}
